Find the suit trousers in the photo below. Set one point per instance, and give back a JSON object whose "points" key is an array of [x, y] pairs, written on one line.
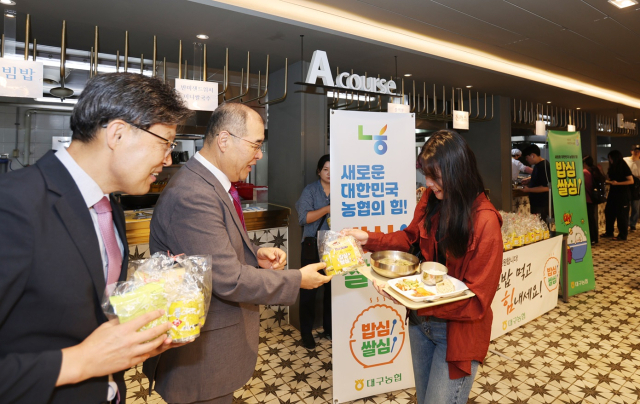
{"points": [[308, 306]]}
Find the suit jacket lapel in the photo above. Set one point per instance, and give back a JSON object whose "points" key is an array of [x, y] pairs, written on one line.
{"points": [[197, 167], [75, 216]]}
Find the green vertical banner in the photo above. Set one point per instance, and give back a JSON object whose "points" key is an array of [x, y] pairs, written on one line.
{"points": [[570, 207]]}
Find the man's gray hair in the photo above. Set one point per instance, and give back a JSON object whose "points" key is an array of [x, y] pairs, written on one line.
{"points": [[231, 117]]}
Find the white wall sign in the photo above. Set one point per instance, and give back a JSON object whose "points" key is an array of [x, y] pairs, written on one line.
{"points": [[528, 285], [20, 78], [319, 68], [461, 120], [373, 188], [199, 95], [398, 108]]}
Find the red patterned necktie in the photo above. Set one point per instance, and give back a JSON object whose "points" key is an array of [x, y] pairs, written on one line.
{"points": [[236, 202], [105, 222]]}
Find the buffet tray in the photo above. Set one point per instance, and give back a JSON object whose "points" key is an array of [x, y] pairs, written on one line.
{"points": [[373, 276]]}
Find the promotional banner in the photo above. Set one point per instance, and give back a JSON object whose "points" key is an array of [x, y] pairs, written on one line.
{"points": [[528, 285], [570, 207], [372, 188]]}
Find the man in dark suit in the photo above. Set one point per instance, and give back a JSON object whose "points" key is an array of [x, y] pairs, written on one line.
{"points": [[63, 242], [199, 213]]}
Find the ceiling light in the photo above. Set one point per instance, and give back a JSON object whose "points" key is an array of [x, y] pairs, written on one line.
{"points": [[202, 36], [57, 100], [469, 86], [548, 102], [10, 15], [8, 2], [623, 3], [577, 108], [407, 75]]}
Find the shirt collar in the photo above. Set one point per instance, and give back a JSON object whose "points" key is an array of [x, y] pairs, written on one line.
{"points": [[90, 190], [220, 176]]}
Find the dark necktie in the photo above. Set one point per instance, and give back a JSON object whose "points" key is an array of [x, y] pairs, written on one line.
{"points": [[236, 202]]}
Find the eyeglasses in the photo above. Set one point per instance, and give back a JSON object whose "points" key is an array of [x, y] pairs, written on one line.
{"points": [[172, 145], [254, 145]]}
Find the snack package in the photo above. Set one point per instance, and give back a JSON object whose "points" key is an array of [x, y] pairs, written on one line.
{"points": [[179, 285], [341, 253]]}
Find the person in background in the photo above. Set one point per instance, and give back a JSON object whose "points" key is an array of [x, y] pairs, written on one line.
{"points": [[633, 162], [619, 198], [592, 175], [63, 243], [199, 212], [313, 213], [517, 166], [456, 225], [538, 185]]}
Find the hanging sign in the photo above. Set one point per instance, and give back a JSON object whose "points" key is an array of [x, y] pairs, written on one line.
{"points": [[541, 128], [198, 95], [20, 78], [570, 207], [373, 188], [461, 120], [398, 108], [528, 285], [319, 69]]}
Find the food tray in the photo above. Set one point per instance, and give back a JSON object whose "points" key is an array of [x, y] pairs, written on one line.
{"points": [[460, 288], [408, 303]]}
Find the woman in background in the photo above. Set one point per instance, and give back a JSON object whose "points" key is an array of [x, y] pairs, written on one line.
{"points": [[592, 175], [313, 213], [619, 198], [456, 225]]}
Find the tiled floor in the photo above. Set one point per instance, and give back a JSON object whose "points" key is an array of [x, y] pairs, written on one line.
{"points": [[584, 351]]}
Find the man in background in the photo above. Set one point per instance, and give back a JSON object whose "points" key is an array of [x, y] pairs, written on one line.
{"points": [[63, 242], [538, 185], [518, 166], [199, 212], [633, 162]]}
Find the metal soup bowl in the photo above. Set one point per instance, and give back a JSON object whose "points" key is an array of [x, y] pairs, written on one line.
{"points": [[394, 271]]}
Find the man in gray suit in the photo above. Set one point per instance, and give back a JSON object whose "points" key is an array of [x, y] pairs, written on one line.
{"points": [[199, 213]]}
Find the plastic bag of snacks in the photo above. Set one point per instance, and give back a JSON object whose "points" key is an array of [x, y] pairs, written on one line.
{"points": [[341, 253], [180, 285], [520, 229]]}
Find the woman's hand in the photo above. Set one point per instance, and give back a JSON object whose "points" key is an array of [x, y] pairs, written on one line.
{"points": [[380, 288], [360, 235]]}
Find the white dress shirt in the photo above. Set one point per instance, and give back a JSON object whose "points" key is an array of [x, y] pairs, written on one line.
{"points": [[220, 176], [92, 193]]}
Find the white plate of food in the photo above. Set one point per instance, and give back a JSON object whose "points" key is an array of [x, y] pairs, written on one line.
{"points": [[414, 289]]}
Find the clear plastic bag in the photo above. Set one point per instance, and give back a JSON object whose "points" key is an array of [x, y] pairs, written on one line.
{"points": [[341, 253], [179, 285]]}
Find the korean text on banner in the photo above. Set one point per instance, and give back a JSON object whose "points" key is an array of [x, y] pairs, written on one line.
{"points": [[199, 95], [20, 78], [372, 188], [570, 207], [528, 285]]}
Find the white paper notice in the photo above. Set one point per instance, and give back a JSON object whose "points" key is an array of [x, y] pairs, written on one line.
{"points": [[461, 120], [20, 78], [199, 95]]}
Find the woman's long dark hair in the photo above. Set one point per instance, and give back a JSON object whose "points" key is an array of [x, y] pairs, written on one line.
{"points": [[596, 174], [616, 168], [447, 157]]}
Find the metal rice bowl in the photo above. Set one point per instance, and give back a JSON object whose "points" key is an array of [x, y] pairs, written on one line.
{"points": [[394, 271]]}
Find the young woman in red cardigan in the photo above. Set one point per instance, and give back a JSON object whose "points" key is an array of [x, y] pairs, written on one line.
{"points": [[456, 225]]}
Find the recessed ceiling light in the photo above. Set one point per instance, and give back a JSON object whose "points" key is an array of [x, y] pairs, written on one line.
{"points": [[548, 102], [623, 3], [9, 2], [408, 75], [201, 36], [469, 86], [10, 15], [577, 108]]}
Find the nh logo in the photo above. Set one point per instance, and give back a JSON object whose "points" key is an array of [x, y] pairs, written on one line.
{"points": [[380, 146]]}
